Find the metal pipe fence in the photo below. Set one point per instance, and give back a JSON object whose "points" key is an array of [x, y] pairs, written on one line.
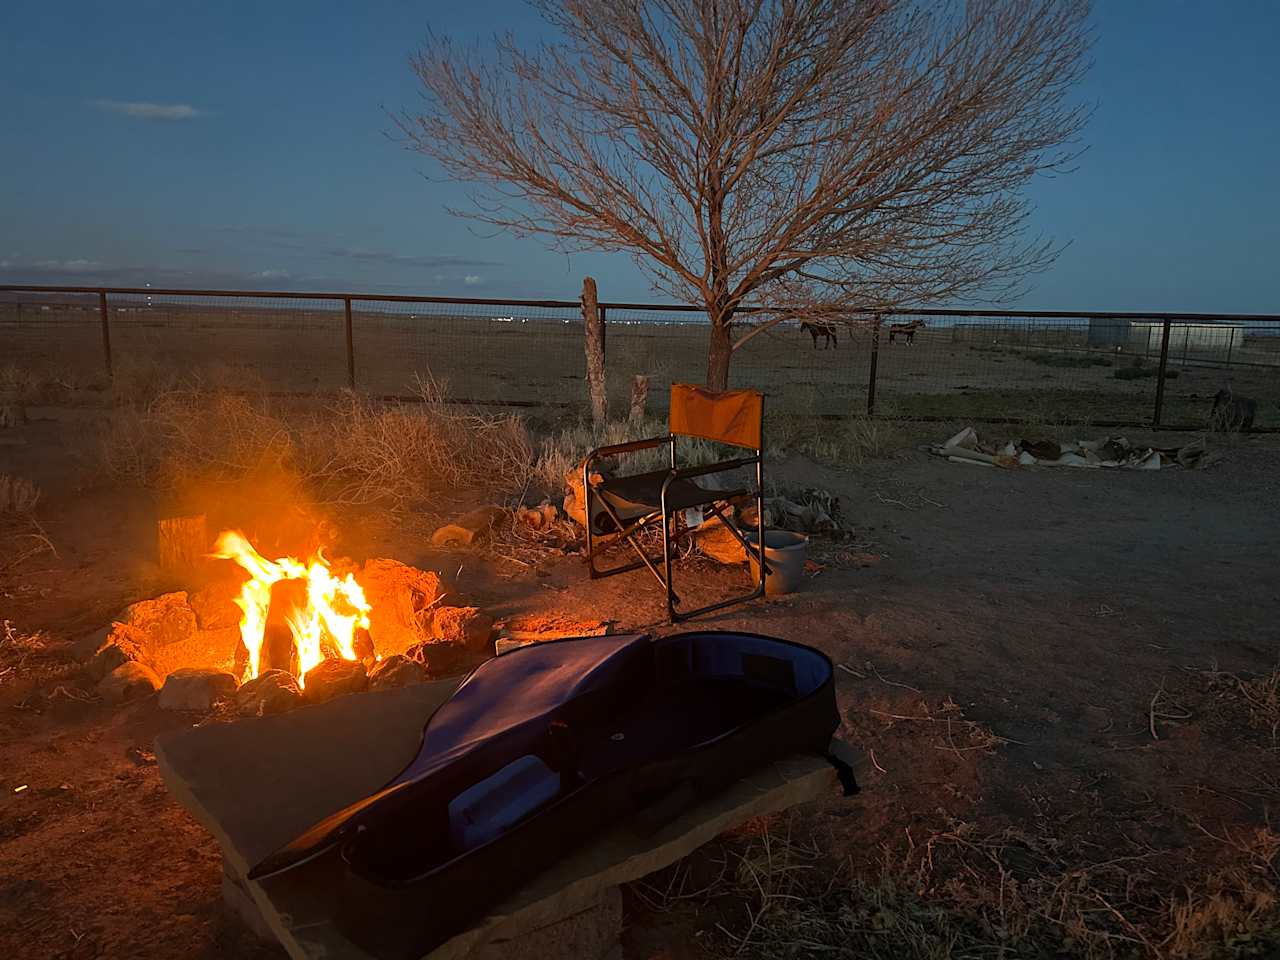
{"points": [[1105, 368]]}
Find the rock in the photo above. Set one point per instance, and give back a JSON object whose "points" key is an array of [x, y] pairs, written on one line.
{"points": [[273, 691], [86, 647], [468, 626], [220, 649], [399, 594], [715, 541], [195, 688], [164, 620], [333, 677], [396, 670], [122, 644], [214, 605], [441, 658], [129, 681], [471, 528]]}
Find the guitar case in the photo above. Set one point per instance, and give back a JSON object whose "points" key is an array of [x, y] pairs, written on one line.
{"points": [[539, 750]]}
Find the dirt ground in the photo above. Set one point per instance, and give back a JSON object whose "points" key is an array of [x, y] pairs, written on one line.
{"points": [[1059, 680]]}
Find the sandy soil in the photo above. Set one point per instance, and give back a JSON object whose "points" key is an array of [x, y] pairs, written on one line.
{"points": [[1034, 616]]}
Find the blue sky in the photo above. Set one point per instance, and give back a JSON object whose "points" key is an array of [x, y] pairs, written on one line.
{"points": [[237, 144]]}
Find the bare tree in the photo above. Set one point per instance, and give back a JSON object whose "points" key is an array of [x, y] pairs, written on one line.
{"points": [[812, 158]]}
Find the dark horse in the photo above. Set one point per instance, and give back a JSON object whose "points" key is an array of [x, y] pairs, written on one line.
{"points": [[821, 328], [906, 329]]}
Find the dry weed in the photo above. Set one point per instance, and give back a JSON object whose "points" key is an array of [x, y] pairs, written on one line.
{"points": [[355, 450], [962, 894]]}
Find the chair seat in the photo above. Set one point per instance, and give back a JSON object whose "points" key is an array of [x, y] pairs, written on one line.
{"points": [[641, 494]]}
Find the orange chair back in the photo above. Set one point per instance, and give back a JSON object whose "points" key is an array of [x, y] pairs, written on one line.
{"points": [[734, 417]]}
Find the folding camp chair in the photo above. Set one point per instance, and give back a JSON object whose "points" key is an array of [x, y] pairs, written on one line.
{"points": [[620, 508]]}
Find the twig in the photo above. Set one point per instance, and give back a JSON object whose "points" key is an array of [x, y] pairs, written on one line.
{"points": [[893, 683], [871, 753], [1151, 713]]}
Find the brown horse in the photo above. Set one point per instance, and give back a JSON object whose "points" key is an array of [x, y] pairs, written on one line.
{"points": [[821, 328], [907, 329]]}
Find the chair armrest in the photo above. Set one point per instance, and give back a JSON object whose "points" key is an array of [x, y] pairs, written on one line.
{"points": [[629, 447]]}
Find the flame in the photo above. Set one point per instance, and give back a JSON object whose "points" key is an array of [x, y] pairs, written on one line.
{"points": [[335, 607]]}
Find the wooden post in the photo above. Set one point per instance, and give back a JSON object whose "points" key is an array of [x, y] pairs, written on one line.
{"points": [[875, 362], [1160, 374], [639, 397], [106, 332], [351, 353], [183, 544], [595, 351]]}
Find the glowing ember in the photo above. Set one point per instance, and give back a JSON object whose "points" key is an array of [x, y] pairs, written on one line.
{"points": [[335, 607]]}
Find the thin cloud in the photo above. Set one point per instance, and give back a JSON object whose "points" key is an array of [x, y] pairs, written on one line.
{"points": [[145, 110], [400, 260]]}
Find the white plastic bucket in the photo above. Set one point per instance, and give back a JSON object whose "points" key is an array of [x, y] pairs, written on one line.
{"points": [[784, 556]]}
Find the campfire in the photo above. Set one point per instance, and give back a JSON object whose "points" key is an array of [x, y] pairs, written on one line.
{"points": [[264, 633], [294, 614]]}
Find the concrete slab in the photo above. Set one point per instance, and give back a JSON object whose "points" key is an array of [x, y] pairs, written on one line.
{"points": [[258, 783]]}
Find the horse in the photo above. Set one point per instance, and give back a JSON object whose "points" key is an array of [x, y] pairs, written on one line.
{"points": [[908, 329], [821, 328]]}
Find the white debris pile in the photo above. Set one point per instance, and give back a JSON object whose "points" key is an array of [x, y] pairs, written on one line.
{"points": [[1113, 452]]}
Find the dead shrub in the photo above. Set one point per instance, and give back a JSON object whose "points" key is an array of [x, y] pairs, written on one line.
{"points": [[354, 450]]}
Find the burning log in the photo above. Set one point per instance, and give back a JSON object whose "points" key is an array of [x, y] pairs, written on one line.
{"points": [[279, 650]]}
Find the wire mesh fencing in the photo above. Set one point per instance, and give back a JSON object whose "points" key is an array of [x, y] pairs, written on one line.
{"points": [[1030, 367]]}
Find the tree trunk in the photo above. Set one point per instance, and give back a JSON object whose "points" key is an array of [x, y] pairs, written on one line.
{"points": [[718, 356], [595, 351]]}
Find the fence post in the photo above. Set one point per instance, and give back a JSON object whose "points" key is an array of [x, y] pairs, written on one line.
{"points": [[593, 320], [106, 333], [1164, 364], [351, 353], [875, 359]]}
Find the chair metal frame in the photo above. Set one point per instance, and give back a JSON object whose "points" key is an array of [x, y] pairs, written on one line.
{"points": [[627, 530]]}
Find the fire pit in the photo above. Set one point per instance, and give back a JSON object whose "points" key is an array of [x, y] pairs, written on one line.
{"points": [[266, 634]]}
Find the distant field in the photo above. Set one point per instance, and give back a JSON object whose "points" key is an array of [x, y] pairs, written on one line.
{"points": [[1042, 372]]}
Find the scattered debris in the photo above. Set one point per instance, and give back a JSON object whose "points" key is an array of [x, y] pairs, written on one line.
{"points": [[140, 757], [1113, 452], [520, 631], [540, 517], [471, 528]]}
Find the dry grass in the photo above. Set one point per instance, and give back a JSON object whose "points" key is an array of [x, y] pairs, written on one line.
{"points": [[961, 895], [561, 451], [353, 450]]}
